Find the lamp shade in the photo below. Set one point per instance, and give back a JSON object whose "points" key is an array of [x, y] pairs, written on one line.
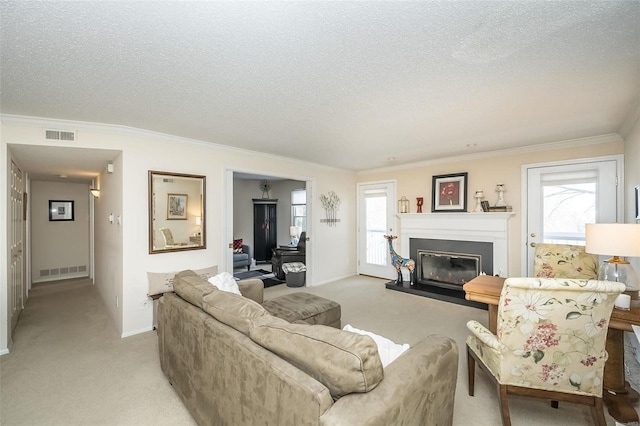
{"points": [[198, 221], [294, 231], [613, 239]]}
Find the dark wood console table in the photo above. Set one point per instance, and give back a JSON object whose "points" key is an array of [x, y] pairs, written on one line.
{"points": [[617, 394]]}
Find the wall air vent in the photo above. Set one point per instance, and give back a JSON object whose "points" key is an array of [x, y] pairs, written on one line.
{"points": [[59, 135]]}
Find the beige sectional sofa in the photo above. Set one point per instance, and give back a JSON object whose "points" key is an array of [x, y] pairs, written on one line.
{"points": [[234, 362]]}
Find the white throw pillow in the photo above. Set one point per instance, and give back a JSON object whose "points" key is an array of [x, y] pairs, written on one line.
{"points": [[224, 281], [387, 350]]}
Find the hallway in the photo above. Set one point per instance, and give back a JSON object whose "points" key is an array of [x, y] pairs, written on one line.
{"points": [[69, 366]]}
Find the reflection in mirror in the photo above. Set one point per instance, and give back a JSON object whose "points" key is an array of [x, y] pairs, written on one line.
{"points": [[176, 212]]}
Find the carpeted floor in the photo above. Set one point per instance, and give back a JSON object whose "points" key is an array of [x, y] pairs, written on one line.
{"points": [[68, 366]]}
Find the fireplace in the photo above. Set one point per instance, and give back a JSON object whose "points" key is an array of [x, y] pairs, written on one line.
{"points": [[450, 263], [465, 244], [448, 270]]}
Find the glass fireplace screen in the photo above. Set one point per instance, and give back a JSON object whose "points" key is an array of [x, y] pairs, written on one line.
{"points": [[451, 268]]}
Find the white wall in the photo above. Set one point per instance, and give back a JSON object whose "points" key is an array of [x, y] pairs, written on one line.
{"points": [[334, 249], [487, 170], [244, 191], [108, 241], [59, 245], [632, 178]]}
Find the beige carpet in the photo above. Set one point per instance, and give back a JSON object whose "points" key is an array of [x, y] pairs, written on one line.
{"points": [[69, 367]]}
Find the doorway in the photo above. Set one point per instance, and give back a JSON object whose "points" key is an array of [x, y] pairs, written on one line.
{"points": [[241, 189], [559, 198], [376, 217]]}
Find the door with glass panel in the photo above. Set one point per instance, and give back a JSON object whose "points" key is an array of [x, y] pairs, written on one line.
{"points": [[376, 217], [562, 198]]}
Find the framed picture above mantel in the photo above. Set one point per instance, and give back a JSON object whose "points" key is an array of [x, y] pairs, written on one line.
{"points": [[449, 193]]}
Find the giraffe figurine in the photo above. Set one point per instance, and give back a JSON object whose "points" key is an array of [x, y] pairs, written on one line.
{"points": [[398, 261]]}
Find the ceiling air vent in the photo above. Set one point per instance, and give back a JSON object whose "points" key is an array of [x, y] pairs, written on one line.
{"points": [[59, 135]]}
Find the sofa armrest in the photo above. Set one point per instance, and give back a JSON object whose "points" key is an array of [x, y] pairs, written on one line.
{"points": [[252, 288], [418, 388]]}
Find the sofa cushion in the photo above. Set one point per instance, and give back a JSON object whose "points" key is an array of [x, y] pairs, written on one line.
{"points": [[162, 282], [224, 281], [388, 350], [235, 311], [344, 362], [191, 287], [237, 245]]}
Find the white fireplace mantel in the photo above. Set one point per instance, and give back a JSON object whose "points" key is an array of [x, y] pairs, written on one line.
{"points": [[485, 227]]}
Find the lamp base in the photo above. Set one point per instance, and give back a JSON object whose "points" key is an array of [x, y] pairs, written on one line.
{"points": [[618, 270]]}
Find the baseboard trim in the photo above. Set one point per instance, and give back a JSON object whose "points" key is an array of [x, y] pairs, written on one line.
{"points": [[134, 332]]}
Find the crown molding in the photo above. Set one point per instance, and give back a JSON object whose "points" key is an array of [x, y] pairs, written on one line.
{"points": [[71, 125], [569, 143]]}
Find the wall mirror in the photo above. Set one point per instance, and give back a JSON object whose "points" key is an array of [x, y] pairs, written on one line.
{"points": [[176, 212]]}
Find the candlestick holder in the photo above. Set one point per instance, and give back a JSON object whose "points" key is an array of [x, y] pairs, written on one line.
{"points": [[479, 197], [500, 189]]}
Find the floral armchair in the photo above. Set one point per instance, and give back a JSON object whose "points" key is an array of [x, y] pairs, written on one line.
{"points": [[564, 261], [550, 341]]}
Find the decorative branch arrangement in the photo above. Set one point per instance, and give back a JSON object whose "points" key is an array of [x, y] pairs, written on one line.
{"points": [[330, 204]]}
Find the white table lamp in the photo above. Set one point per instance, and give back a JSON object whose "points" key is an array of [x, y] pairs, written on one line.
{"points": [[294, 233], [617, 240]]}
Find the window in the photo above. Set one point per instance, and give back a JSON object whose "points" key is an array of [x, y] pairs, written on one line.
{"points": [[299, 209], [567, 207]]}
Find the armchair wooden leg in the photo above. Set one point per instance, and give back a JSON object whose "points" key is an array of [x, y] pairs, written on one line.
{"points": [[504, 405], [597, 412], [471, 371], [554, 404]]}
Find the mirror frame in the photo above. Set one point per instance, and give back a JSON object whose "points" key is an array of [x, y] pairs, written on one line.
{"points": [[203, 218]]}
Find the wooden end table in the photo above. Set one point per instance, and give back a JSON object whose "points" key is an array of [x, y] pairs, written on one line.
{"points": [[617, 394]]}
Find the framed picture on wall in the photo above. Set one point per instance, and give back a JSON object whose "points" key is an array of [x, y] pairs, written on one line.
{"points": [[60, 210], [449, 193], [177, 206]]}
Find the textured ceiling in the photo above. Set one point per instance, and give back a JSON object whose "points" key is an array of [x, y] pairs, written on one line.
{"points": [[346, 84]]}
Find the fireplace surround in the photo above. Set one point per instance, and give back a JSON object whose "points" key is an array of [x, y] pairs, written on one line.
{"points": [[476, 235]]}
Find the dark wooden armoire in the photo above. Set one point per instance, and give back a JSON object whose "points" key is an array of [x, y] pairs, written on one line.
{"points": [[265, 229]]}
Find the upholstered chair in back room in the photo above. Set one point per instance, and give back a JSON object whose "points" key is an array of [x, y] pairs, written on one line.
{"points": [[550, 342], [564, 261], [281, 255]]}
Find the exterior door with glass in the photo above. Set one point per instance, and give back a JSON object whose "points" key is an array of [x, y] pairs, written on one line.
{"points": [[376, 217], [562, 197]]}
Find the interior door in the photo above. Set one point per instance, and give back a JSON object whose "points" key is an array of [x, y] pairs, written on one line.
{"points": [[376, 217], [562, 198], [16, 285]]}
